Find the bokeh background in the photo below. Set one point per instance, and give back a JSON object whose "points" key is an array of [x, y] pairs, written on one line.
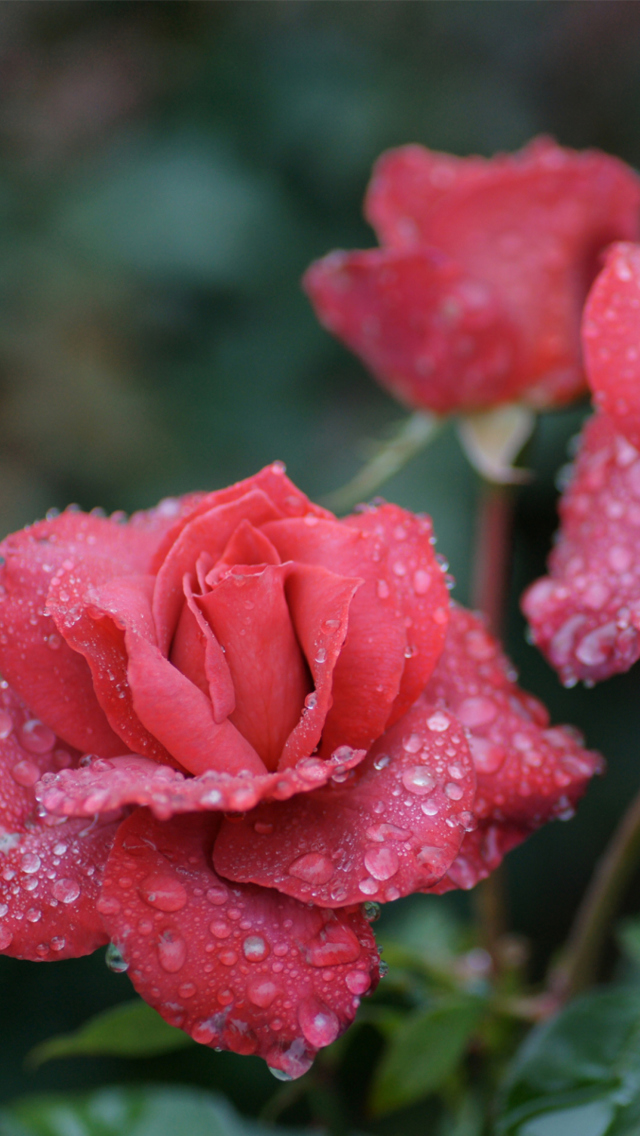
{"points": [[167, 171]]}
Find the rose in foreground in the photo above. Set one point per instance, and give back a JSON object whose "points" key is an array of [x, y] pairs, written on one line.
{"points": [[231, 722], [475, 296], [585, 615]]}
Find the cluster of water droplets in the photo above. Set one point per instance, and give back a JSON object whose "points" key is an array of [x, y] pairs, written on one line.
{"points": [[585, 616], [234, 970]]}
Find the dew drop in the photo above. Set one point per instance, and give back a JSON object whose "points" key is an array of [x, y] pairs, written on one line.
{"points": [[254, 948], [313, 868], [318, 1023], [453, 791], [438, 722], [382, 761], [172, 952], [66, 890], [358, 981], [6, 724], [30, 863], [25, 773], [371, 912], [164, 892], [115, 960], [262, 992], [217, 896], [368, 886], [418, 780], [412, 743], [36, 737]]}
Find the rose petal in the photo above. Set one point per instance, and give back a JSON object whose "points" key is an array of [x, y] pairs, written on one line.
{"points": [[390, 829], [585, 615], [49, 883], [96, 621], [368, 672], [55, 680], [196, 652], [319, 602], [180, 716], [422, 592], [240, 968], [248, 612], [574, 203], [429, 331], [49, 872], [131, 780], [611, 339], [481, 853], [247, 545], [527, 772], [272, 481], [28, 749], [205, 531]]}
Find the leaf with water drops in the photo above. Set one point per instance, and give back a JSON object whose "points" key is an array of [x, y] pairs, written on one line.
{"points": [[132, 1029]]}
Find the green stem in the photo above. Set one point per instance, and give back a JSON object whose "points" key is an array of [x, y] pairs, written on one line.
{"points": [[578, 966], [492, 562], [414, 434]]}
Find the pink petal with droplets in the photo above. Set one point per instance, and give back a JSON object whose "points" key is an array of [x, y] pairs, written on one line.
{"points": [[431, 333], [611, 339], [529, 225], [391, 828], [272, 481], [237, 967], [95, 621], [248, 613], [133, 780], [204, 532], [49, 872], [528, 772], [585, 615]]}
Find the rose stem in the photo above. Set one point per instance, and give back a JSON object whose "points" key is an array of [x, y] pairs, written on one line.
{"points": [[413, 435], [489, 591], [578, 964]]}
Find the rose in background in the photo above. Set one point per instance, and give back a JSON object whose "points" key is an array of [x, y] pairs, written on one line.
{"points": [[474, 298], [585, 616], [252, 718]]}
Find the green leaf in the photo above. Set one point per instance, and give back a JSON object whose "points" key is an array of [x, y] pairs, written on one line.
{"points": [[580, 1073], [131, 1029], [147, 1111], [628, 936], [424, 1051]]}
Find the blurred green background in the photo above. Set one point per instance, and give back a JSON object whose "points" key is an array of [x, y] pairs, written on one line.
{"points": [[167, 172]]}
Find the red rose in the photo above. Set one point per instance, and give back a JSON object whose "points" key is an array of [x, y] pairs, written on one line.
{"points": [[258, 677], [475, 296], [585, 616]]}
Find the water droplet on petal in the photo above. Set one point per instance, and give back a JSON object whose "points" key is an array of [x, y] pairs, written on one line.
{"points": [[217, 895], [30, 863], [262, 992], [368, 886], [25, 773], [358, 981], [382, 761], [254, 948], [172, 952], [164, 892], [279, 1074], [318, 1023], [418, 780], [36, 737], [314, 868], [453, 791], [6, 724], [438, 722], [115, 960], [66, 890], [6, 938], [371, 911]]}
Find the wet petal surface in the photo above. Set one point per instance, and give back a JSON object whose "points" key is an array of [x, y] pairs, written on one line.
{"points": [[585, 615], [611, 338], [131, 780], [391, 827], [237, 967]]}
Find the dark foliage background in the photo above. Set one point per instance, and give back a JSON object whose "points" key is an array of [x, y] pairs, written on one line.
{"points": [[167, 171]]}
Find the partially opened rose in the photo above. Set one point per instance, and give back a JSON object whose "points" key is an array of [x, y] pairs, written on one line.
{"points": [[231, 721], [475, 296]]}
